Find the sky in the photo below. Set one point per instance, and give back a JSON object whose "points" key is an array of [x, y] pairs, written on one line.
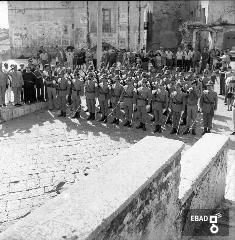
{"points": [[3, 14]]}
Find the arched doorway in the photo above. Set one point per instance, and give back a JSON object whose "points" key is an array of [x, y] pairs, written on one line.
{"points": [[229, 40]]}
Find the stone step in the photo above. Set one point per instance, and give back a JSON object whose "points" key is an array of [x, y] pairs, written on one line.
{"points": [[11, 112]]}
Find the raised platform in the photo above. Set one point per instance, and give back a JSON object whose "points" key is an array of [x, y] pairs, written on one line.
{"points": [[11, 112]]}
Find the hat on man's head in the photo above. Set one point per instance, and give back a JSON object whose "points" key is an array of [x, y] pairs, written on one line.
{"points": [[210, 83]]}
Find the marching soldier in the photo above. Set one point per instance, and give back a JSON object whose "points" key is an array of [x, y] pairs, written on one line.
{"points": [[141, 97], [115, 93], [63, 86], [127, 97], [90, 91], [159, 101], [77, 91], [192, 107], [208, 104], [177, 104], [103, 91]]}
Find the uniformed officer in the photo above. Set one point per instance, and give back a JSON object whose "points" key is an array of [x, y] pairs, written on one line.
{"points": [[208, 104], [90, 93], [63, 86], [177, 104], [115, 91], [192, 107], [159, 101], [205, 79], [127, 98], [77, 91], [142, 97], [17, 83], [103, 91], [50, 83], [3, 86]]}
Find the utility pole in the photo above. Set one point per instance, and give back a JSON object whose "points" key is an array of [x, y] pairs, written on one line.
{"points": [[99, 33], [88, 26], [128, 25]]}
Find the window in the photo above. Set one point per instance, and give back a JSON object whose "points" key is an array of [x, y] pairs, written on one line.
{"points": [[106, 20]]}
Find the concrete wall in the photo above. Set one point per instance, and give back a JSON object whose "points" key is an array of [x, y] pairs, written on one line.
{"points": [[134, 196], [204, 187], [145, 193], [64, 23]]}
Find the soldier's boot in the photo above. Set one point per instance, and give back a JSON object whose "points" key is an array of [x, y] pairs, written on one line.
{"points": [[90, 117], [183, 122], [114, 121], [186, 131], [193, 132], [105, 119], [159, 128], [126, 123], [143, 127], [205, 131], [129, 124], [117, 121], [140, 125], [168, 121], [173, 131], [156, 129], [102, 119], [61, 114], [93, 116]]}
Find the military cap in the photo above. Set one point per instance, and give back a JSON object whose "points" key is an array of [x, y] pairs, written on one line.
{"points": [[210, 83], [167, 72], [178, 84]]}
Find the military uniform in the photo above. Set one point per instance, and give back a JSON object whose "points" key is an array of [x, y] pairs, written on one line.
{"points": [[63, 86], [103, 91], [177, 106], [192, 108], [127, 97], [50, 84], [3, 87], [142, 97], [77, 91], [90, 91], [17, 83], [159, 102], [208, 104], [115, 92]]}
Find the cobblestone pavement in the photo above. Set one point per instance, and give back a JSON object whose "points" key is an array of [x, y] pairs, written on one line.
{"points": [[41, 152]]}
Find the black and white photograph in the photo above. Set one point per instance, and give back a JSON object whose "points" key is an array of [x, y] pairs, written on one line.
{"points": [[117, 120]]}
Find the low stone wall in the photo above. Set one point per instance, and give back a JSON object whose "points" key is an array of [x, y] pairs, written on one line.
{"points": [[11, 112], [133, 196], [203, 178]]}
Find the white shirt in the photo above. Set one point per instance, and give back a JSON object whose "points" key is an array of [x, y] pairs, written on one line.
{"points": [[169, 54], [188, 55], [179, 55]]}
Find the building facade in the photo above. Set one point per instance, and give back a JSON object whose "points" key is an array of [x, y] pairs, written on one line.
{"points": [[50, 23], [222, 15]]}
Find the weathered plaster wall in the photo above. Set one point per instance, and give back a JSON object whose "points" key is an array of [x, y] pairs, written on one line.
{"points": [[167, 17], [133, 196], [204, 187], [64, 23]]}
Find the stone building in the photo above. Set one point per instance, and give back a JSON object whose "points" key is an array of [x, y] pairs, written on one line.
{"points": [[167, 16], [63, 23], [221, 14], [50, 23]]}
